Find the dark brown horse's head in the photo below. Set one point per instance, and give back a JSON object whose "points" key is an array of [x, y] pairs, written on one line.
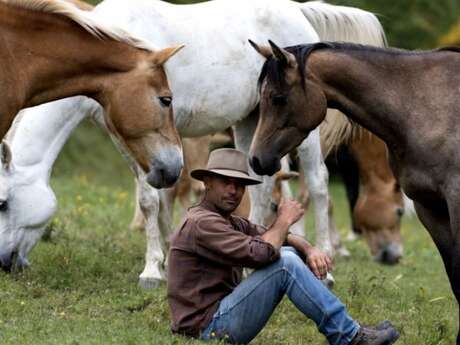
{"points": [[291, 106]]}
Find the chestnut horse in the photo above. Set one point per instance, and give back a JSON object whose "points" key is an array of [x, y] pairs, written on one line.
{"points": [[375, 198], [408, 99], [50, 49]]}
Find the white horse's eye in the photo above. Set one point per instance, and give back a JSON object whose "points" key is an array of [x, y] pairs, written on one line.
{"points": [[165, 101], [3, 205]]}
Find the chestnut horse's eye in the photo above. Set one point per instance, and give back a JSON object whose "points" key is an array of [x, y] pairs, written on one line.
{"points": [[279, 100], [165, 101]]}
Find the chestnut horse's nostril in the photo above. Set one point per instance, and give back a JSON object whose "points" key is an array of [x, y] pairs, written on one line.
{"points": [[400, 211], [390, 257]]}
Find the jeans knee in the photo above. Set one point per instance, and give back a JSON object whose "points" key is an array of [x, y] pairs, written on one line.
{"points": [[290, 259]]}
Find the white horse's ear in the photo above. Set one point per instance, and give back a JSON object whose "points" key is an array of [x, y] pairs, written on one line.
{"points": [[5, 155], [282, 55], [265, 51], [161, 56]]}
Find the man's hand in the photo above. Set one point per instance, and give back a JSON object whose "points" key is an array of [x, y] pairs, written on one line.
{"points": [[290, 211], [318, 262]]}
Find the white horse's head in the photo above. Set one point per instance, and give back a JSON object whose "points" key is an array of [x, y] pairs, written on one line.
{"points": [[26, 205]]}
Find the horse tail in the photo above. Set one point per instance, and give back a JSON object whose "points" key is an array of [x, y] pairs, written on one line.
{"points": [[342, 23]]}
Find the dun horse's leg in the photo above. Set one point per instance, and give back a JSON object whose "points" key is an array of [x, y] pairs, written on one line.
{"points": [[436, 220], [149, 202], [260, 195], [454, 217]]}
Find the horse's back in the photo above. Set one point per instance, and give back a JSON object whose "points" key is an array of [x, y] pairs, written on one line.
{"points": [[214, 79]]}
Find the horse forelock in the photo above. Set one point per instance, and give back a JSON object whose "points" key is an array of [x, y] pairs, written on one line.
{"points": [[84, 19]]}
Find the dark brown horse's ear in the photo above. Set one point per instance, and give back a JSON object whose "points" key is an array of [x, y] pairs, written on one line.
{"points": [[282, 55], [163, 55], [5, 155], [265, 51]]}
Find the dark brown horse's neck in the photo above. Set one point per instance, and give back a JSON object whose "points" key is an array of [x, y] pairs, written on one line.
{"points": [[47, 57], [362, 90]]}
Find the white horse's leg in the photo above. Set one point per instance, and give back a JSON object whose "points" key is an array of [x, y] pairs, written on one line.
{"points": [[316, 178], [298, 227], [149, 202], [138, 221], [260, 194]]}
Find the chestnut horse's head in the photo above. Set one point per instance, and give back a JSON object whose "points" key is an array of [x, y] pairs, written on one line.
{"points": [[291, 106], [139, 111]]}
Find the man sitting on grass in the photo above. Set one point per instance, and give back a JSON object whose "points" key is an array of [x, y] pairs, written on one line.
{"points": [[206, 293]]}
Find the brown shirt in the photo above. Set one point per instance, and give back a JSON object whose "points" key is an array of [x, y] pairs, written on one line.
{"points": [[206, 257]]}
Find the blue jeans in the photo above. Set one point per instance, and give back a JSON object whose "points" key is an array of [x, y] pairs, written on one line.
{"points": [[243, 313]]}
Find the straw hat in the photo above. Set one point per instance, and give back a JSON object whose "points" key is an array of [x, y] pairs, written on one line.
{"points": [[226, 162]]}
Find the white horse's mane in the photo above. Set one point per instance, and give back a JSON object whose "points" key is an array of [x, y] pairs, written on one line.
{"points": [[85, 19]]}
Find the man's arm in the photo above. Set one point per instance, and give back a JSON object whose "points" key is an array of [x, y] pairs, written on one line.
{"points": [[289, 212], [318, 262]]}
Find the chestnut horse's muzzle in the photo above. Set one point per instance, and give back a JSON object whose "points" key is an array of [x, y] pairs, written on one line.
{"points": [[165, 169]]}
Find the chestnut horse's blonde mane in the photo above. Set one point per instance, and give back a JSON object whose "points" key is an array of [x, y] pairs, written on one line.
{"points": [[337, 129], [85, 19]]}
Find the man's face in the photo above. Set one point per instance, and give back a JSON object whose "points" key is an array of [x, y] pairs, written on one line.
{"points": [[223, 192]]}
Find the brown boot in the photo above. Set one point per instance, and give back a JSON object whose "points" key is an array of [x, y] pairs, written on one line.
{"points": [[382, 334]]}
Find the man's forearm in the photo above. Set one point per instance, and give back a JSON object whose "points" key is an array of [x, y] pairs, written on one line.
{"points": [[298, 242], [276, 235]]}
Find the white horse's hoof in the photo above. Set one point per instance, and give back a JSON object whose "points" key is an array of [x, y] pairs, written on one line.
{"points": [[352, 236], [343, 252], [149, 283], [329, 281]]}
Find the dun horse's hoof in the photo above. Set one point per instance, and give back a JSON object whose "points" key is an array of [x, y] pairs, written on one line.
{"points": [[149, 283], [329, 281]]}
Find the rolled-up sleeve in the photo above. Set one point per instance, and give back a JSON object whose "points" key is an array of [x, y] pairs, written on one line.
{"points": [[217, 240]]}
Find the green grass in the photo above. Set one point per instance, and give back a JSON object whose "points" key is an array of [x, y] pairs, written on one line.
{"points": [[82, 285]]}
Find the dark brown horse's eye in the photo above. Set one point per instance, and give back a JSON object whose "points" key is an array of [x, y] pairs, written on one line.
{"points": [[3, 205], [165, 101], [279, 100]]}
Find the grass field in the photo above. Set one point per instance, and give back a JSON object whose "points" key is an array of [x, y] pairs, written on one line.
{"points": [[81, 287]]}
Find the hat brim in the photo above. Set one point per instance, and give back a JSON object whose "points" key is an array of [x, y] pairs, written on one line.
{"points": [[199, 174]]}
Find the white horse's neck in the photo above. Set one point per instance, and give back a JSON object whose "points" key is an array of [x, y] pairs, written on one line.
{"points": [[39, 133]]}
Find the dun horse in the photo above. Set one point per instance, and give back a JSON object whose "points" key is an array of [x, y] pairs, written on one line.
{"points": [[49, 49], [409, 99]]}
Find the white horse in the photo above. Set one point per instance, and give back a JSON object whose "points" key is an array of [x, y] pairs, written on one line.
{"points": [[214, 82]]}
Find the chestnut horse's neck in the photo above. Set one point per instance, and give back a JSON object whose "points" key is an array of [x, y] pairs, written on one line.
{"points": [[384, 90], [46, 56], [372, 157]]}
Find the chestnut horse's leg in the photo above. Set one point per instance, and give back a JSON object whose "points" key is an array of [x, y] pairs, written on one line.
{"points": [[149, 201]]}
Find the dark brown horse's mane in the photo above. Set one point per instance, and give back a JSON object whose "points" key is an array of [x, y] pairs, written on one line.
{"points": [[274, 69]]}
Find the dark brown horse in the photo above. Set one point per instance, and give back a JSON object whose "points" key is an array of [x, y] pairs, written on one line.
{"points": [[411, 100]]}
